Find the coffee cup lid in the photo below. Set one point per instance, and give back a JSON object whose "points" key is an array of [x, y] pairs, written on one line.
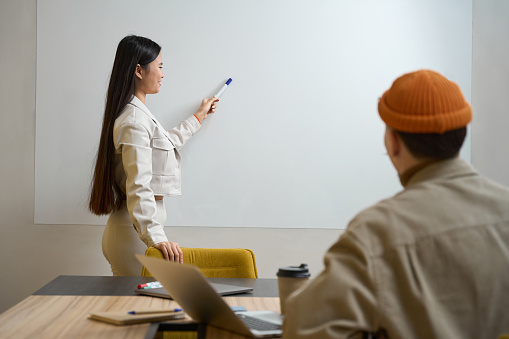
{"points": [[294, 271]]}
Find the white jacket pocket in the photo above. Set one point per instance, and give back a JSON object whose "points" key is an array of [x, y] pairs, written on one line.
{"points": [[163, 157]]}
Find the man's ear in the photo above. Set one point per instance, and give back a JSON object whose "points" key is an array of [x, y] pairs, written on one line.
{"points": [[138, 71], [396, 143]]}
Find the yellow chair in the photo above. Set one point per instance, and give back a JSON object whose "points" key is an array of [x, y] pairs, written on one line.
{"points": [[215, 262]]}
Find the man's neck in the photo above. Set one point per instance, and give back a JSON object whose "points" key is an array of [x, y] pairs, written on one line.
{"points": [[405, 176]]}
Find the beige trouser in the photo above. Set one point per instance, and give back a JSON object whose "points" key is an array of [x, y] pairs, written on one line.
{"points": [[121, 241]]}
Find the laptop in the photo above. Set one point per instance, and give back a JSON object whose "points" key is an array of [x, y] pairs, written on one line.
{"points": [[200, 301], [221, 289]]}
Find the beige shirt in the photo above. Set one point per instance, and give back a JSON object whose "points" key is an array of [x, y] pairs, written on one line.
{"points": [[430, 262], [147, 163]]}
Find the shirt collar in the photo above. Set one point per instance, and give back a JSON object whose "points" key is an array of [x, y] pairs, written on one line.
{"points": [[445, 169], [405, 177], [137, 102]]}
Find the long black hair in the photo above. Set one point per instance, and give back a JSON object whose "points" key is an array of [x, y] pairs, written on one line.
{"points": [[105, 195]]}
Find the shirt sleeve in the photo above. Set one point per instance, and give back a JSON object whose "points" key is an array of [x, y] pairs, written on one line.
{"points": [[184, 131], [340, 302], [134, 141]]}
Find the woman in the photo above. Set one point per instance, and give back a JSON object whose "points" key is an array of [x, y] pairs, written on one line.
{"points": [[138, 162]]}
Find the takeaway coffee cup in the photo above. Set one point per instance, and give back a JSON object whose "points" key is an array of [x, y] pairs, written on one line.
{"points": [[290, 279]]}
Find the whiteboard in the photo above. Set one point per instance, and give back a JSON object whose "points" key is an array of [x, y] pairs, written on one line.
{"points": [[296, 141]]}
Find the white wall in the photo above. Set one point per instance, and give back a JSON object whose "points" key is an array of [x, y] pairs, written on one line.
{"points": [[33, 255], [490, 89]]}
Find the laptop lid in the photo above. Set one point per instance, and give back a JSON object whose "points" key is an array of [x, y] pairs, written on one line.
{"points": [[221, 289], [195, 295]]}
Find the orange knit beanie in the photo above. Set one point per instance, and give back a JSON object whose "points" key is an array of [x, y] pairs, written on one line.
{"points": [[424, 102]]}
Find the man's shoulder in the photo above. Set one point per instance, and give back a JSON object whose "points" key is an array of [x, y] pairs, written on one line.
{"points": [[374, 223], [428, 209]]}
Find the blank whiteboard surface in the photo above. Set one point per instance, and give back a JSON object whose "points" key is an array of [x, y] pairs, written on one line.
{"points": [[296, 140]]}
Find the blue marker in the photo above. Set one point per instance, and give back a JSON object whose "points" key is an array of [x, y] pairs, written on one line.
{"points": [[225, 86], [175, 310]]}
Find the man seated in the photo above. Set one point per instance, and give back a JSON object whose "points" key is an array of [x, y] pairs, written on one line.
{"points": [[431, 261]]}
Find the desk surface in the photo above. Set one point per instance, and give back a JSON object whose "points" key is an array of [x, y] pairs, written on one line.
{"points": [[66, 316], [60, 309], [125, 286]]}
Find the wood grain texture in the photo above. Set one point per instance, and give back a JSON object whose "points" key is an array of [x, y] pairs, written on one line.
{"points": [[67, 316]]}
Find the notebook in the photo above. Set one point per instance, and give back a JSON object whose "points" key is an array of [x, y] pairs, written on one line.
{"points": [[221, 289], [124, 318], [200, 301]]}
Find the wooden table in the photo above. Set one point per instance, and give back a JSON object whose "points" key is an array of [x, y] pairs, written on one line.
{"points": [[63, 316], [47, 314]]}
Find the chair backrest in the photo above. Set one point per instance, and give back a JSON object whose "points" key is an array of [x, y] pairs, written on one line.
{"points": [[215, 262]]}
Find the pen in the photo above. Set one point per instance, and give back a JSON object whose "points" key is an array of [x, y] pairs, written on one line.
{"points": [[156, 311], [225, 86], [155, 284]]}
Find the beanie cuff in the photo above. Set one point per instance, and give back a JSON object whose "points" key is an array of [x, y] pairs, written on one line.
{"points": [[438, 123]]}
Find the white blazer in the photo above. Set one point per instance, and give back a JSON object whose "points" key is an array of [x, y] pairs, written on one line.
{"points": [[147, 163]]}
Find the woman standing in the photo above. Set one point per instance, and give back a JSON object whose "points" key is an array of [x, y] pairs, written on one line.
{"points": [[138, 162]]}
